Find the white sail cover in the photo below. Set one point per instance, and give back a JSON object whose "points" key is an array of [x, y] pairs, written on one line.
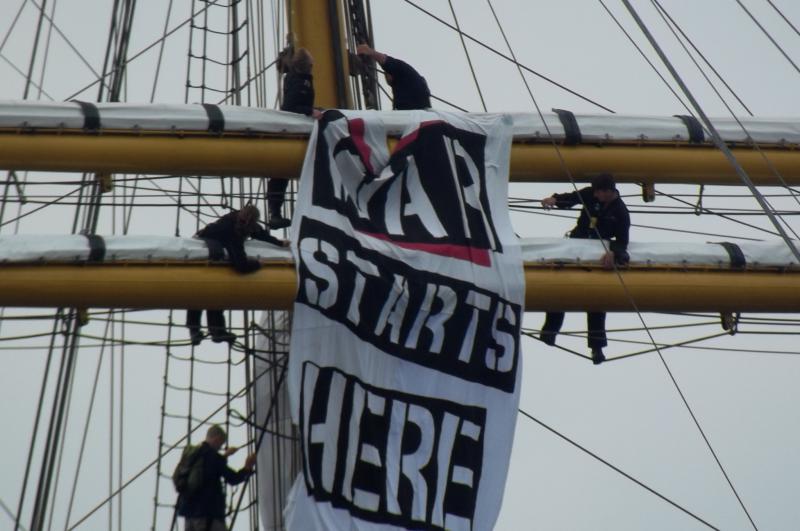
{"points": [[404, 367], [30, 116], [79, 249]]}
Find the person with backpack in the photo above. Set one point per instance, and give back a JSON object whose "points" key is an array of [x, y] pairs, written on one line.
{"points": [[198, 480]]}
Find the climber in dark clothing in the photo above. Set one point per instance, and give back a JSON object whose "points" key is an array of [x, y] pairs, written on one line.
{"points": [[603, 215], [298, 97], [230, 231], [409, 89], [204, 509]]}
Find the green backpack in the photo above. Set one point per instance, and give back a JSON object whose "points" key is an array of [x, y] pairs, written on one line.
{"points": [[188, 475]]}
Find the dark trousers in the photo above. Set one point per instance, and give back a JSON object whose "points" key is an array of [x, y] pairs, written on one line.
{"points": [[214, 318], [595, 324], [276, 194]]}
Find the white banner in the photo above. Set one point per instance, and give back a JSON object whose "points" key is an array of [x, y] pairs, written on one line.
{"points": [[404, 365]]}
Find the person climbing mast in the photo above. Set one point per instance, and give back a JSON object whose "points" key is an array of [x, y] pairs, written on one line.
{"points": [[201, 500], [409, 89], [298, 97]]}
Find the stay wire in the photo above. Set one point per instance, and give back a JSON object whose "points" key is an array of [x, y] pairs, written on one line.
{"points": [[644, 56], [90, 408], [143, 50], [507, 58], [767, 34], [702, 56], [616, 269], [718, 214], [720, 144], [13, 25], [466, 53], [615, 468], [625, 287], [784, 17], [268, 416], [19, 71], [32, 63], [67, 40], [765, 204], [39, 411], [48, 41], [716, 138]]}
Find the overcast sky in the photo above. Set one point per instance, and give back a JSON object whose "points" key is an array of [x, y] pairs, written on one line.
{"points": [[628, 412]]}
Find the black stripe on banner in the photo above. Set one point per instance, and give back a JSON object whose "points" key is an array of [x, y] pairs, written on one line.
{"points": [[572, 132], [696, 134], [216, 120], [97, 247], [216, 252], [91, 115], [738, 261]]}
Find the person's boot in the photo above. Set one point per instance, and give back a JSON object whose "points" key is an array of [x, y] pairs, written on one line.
{"points": [[223, 337], [597, 356], [277, 221], [196, 336], [548, 338], [217, 327]]}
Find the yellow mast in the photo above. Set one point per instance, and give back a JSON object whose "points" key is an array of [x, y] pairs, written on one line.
{"points": [[282, 157], [171, 285], [318, 26]]}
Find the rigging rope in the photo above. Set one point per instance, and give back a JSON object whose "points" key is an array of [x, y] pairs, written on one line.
{"points": [[767, 34], [666, 14], [784, 17], [773, 169], [713, 132], [152, 463], [644, 56], [466, 53], [507, 58], [745, 178], [614, 468]]}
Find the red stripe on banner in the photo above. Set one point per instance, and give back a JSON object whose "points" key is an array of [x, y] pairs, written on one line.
{"points": [[356, 128], [460, 252], [410, 137]]}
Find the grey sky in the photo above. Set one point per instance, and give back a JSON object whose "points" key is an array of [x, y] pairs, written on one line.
{"points": [[628, 412]]}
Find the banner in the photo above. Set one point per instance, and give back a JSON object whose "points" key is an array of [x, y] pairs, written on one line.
{"points": [[404, 363]]}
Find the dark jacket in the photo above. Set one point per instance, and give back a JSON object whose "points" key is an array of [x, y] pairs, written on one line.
{"points": [[611, 221], [298, 93], [224, 231], [209, 500], [409, 89]]}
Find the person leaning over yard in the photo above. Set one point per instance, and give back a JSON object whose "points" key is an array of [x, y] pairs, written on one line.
{"points": [[603, 216]]}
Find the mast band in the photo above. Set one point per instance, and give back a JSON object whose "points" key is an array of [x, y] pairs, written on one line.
{"points": [[97, 248], [738, 261], [696, 134], [216, 120], [91, 115], [572, 132]]}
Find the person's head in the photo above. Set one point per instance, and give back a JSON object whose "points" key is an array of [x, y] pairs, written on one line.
{"points": [[247, 220], [216, 437], [604, 188], [302, 61]]}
